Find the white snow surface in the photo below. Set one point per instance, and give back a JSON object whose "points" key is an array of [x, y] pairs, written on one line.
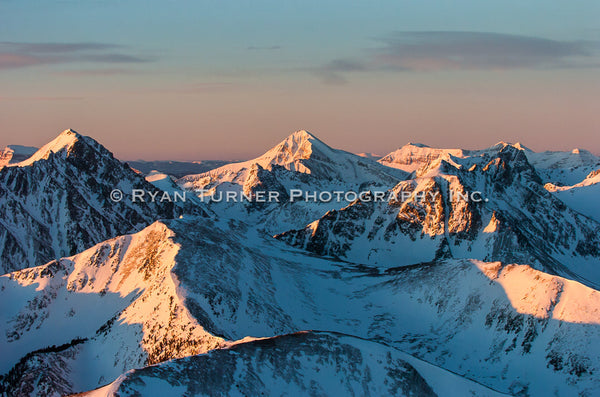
{"points": [[583, 196], [387, 299], [173, 287]]}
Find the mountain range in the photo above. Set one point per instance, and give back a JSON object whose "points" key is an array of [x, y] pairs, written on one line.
{"points": [[487, 295]]}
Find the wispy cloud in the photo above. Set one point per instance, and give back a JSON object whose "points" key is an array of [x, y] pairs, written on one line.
{"points": [[434, 51], [15, 55], [333, 72]]}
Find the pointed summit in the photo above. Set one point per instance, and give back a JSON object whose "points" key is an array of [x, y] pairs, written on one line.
{"points": [[300, 160], [65, 139], [300, 145], [302, 134], [60, 202], [63, 142]]}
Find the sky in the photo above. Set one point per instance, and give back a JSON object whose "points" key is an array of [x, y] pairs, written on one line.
{"points": [[193, 80]]}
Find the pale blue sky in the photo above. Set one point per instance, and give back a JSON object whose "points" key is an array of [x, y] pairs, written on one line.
{"points": [[209, 79]]}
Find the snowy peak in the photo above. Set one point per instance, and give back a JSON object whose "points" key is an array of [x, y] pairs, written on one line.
{"points": [[64, 142], [512, 154], [424, 160], [414, 156], [553, 160], [301, 145], [300, 160], [500, 145], [301, 135], [58, 202]]}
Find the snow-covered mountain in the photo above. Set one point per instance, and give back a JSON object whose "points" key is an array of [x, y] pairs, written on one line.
{"points": [[57, 202], [302, 162], [15, 153], [517, 220], [304, 363], [192, 285], [307, 160], [92, 316], [583, 196], [433, 294], [564, 168], [413, 156]]}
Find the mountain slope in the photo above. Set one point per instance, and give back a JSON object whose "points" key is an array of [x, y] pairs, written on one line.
{"points": [[564, 168], [582, 196], [190, 285], [512, 219], [88, 318], [301, 162], [306, 363], [433, 311], [414, 296], [303, 153], [57, 202]]}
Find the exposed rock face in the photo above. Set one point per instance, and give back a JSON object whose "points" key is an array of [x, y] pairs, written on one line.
{"points": [[113, 307], [57, 202], [513, 218], [189, 286], [261, 180], [432, 291]]}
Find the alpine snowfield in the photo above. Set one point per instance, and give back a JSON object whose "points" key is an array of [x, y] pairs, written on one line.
{"points": [[415, 297]]}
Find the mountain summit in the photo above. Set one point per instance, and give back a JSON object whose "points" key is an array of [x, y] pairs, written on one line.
{"points": [[301, 145], [497, 288], [302, 152], [57, 202], [64, 142], [301, 161]]}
